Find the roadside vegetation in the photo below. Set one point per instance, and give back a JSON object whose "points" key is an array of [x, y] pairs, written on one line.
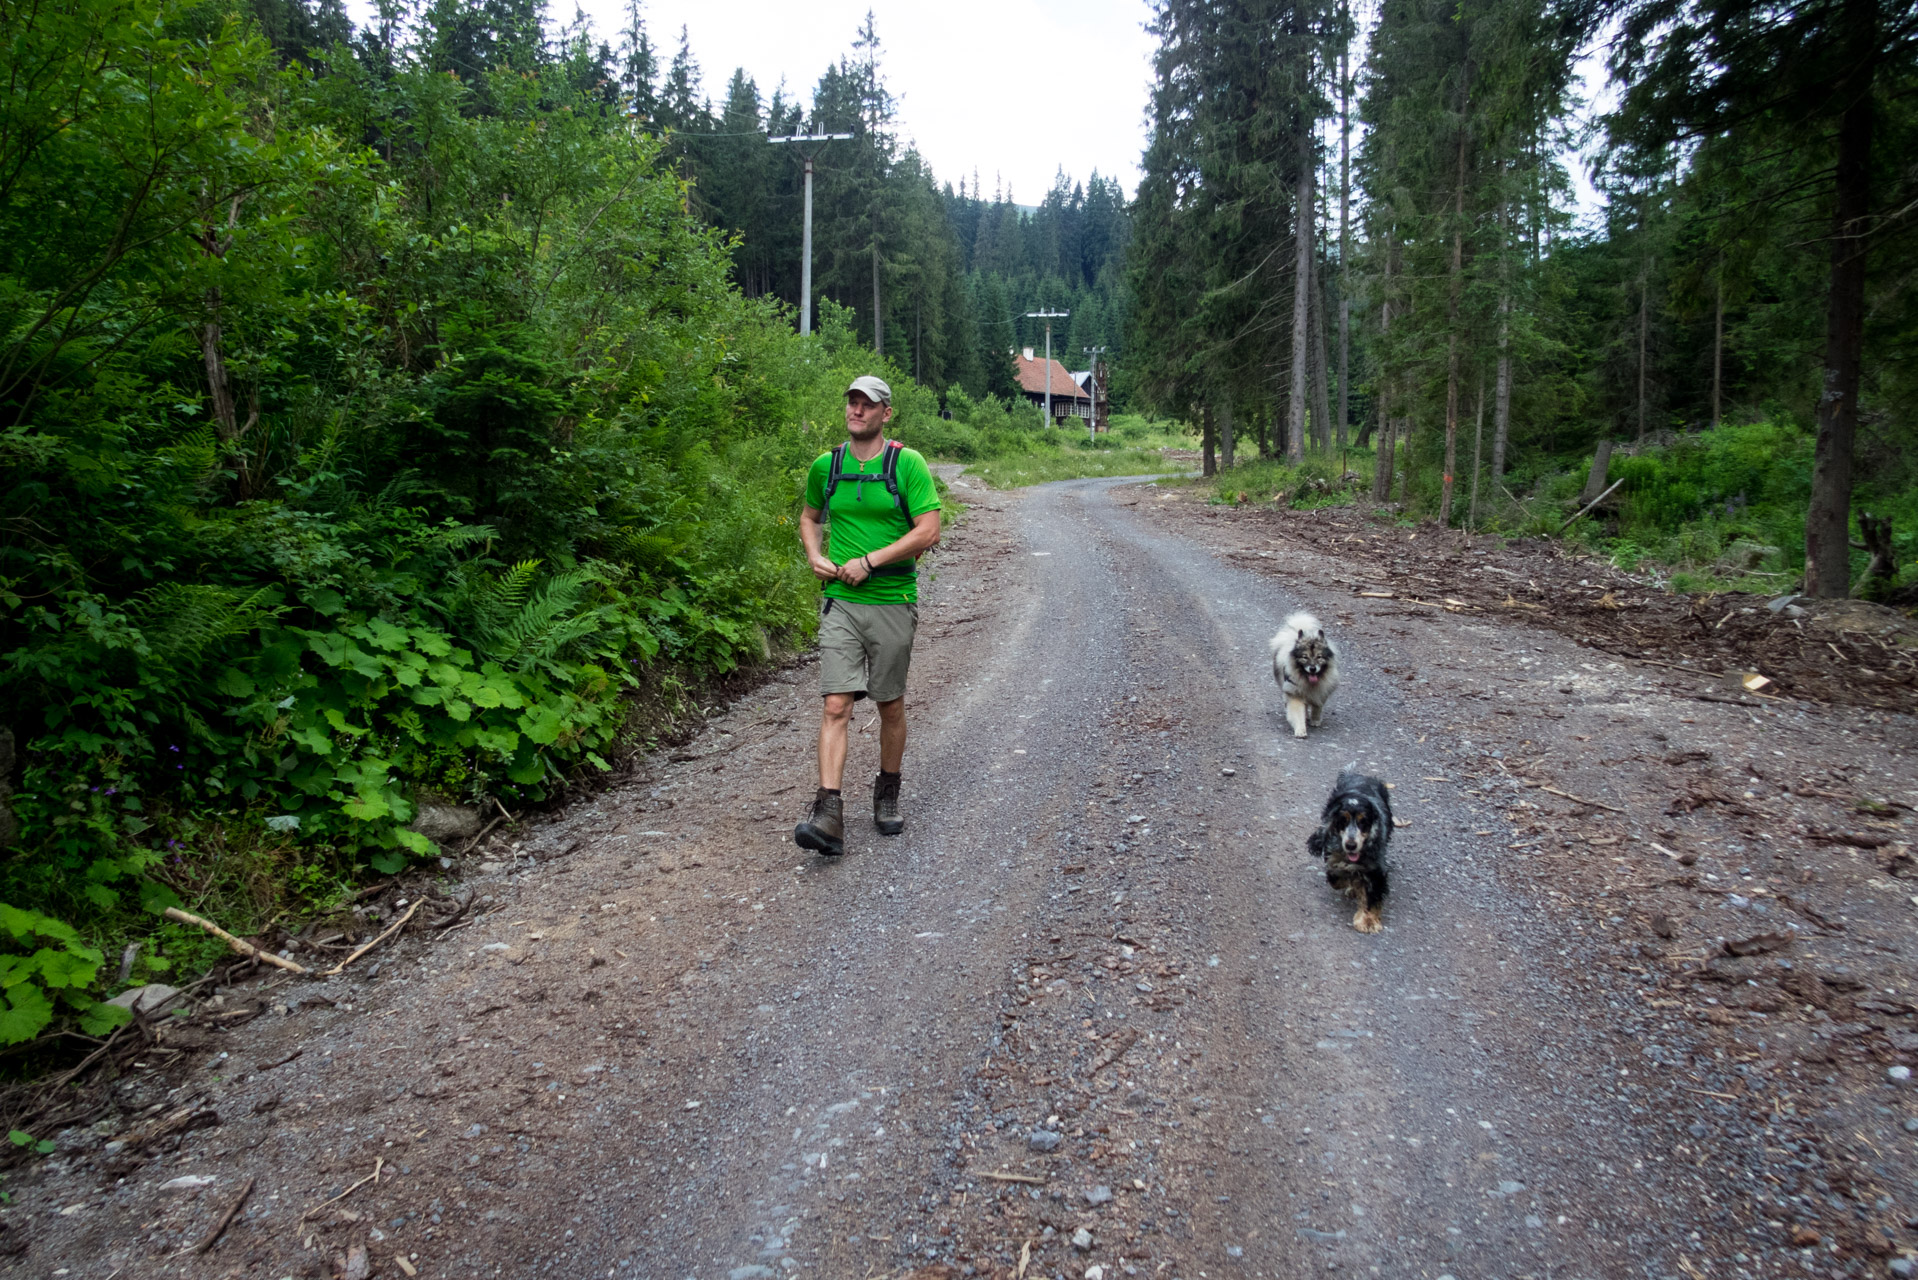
{"points": [[372, 437], [1369, 235], [1715, 510]]}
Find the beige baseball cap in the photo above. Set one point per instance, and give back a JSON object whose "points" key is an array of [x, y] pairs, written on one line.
{"points": [[872, 388]]}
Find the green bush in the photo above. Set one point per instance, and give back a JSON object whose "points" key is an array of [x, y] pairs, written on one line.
{"points": [[45, 968], [1314, 482], [490, 441]]}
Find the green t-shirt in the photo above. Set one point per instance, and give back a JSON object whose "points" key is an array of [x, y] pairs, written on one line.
{"points": [[864, 518]]}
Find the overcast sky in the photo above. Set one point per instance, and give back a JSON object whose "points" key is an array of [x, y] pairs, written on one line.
{"points": [[1010, 88], [1001, 85]]}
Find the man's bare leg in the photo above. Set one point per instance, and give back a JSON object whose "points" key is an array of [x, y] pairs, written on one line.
{"points": [[892, 734], [833, 721]]}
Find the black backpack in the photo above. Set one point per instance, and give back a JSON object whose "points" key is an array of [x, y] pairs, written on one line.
{"points": [[887, 475]]}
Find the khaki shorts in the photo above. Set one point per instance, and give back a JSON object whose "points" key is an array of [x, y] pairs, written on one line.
{"points": [[865, 649]]}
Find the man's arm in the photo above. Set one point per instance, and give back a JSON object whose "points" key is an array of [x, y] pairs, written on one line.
{"points": [[812, 538], [923, 534]]}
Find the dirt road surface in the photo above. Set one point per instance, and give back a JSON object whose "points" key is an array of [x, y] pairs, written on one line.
{"points": [[1642, 1005]]}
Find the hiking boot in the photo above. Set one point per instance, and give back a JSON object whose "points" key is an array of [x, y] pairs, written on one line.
{"points": [[824, 829], [885, 805]]}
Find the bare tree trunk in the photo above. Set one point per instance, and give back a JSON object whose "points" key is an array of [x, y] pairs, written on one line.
{"points": [[1828, 520], [226, 415], [1225, 433], [1478, 445], [226, 418], [1502, 403], [1502, 407], [878, 320], [1345, 234], [1321, 394], [1718, 349], [1301, 305], [1644, 325], [1382, 405], [1211, 467], [1451, 338], [1382, 459]]}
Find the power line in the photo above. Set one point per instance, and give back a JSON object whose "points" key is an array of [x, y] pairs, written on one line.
{"points": [[1048, 317], [809, 140]]}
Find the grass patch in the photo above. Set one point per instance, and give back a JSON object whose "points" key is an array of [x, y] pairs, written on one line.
{"points": [[1041, 466], [1008, 445], [1320, 480]]}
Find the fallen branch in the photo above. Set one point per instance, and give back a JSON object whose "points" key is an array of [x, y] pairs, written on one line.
{"points": [[378, 1164], [1014, 1177], [74, 1072], [1611, 808], [186, 1119], [392, 929], [485, 831], [1588, 506], [1725, 698], [1695, 671], [279, 1062], [240, 945], [226, 1220]]}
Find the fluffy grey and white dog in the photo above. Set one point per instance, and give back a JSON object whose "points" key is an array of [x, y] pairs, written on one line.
{"points": [[1306, 665]]}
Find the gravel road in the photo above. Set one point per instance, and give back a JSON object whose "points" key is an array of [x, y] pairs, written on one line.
{"points": [[1096, 1008]]}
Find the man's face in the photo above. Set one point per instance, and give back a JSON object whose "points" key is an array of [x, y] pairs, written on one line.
{"points": [[865, 417]]}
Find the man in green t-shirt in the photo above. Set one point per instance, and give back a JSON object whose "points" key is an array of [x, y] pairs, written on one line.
{"points": [[880, 510]]}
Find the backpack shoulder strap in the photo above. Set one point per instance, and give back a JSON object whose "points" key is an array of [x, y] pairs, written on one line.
{"points": [[889, 472], [832, 474]]}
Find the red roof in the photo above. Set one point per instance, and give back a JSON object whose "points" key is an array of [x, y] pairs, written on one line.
{"points": [[1032, 379]]}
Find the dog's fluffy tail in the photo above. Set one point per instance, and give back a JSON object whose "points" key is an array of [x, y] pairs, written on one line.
{"points": [[1299, 624]]}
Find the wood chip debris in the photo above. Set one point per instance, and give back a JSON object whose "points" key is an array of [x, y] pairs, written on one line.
{"points": [[1114, 1050]]}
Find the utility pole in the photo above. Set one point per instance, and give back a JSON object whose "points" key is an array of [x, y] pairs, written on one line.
{"points": [[805, 249], [1048, 317], [1092, 390]]}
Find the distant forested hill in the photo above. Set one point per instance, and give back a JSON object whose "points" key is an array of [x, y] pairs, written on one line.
{"points": [[937, 271]]}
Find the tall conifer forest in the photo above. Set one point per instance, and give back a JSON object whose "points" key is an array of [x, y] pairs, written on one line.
{"points": [[410, 414], [1355, 233], [938, 275]]}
